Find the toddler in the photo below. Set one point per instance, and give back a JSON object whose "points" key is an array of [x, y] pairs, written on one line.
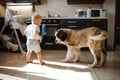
{"points": [[33, 38]]}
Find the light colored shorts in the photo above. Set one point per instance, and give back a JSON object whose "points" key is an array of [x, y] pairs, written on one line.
{"points": [[33, 45]]}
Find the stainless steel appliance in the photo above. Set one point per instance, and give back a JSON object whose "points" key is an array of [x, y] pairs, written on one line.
{"points": [[96, 12], [51, 26], [49, 39], [81, 13]]}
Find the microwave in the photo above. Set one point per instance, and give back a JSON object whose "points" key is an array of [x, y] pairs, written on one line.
{"points": [[96, 13]]}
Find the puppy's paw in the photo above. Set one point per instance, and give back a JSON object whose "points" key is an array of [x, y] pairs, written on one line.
{"points": [[76, 60], [93, 66], [64, 60]]}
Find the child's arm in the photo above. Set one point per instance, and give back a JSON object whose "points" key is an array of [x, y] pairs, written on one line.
{"points": [[25, 33], [37, 36]]}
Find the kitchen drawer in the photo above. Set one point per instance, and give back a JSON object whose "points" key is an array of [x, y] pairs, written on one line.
{"points": [[101, 23], [72, 22], [71, 27]]}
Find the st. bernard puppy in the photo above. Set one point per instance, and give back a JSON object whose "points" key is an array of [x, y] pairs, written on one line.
{"points": [[93, 38]]}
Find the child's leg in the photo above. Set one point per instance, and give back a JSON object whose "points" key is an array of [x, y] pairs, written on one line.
{"points": [[28, 57], [39, 56]]}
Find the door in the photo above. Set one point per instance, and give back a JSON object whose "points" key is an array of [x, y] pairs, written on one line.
{"points": [[117, 23]]}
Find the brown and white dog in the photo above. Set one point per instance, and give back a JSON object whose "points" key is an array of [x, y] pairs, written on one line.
{"points": [[93, 38]]}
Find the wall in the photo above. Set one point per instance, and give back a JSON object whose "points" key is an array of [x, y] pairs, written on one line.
{"points": [[55, 7], [110, 6], [63, 9], [60, 7]]}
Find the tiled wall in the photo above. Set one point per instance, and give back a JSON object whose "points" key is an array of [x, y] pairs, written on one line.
{"points": [[60, 7], [55, 7]]}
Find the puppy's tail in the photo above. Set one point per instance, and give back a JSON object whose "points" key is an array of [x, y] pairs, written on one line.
{"points": [[102, 36]]}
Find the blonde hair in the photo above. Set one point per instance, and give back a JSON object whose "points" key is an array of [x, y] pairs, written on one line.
{"points": [[36, 16]]}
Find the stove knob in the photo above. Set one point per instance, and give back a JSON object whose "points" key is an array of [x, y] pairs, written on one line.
{"points": [[49, 21], [54, 21]]}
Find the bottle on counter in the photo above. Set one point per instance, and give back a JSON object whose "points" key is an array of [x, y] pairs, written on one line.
{"points": [[48, 12], [89, 12]]}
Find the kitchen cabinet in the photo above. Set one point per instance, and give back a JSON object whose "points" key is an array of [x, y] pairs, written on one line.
{"points": [[25, 1], [101, 23], [85, 1], [71, 23], [83, 23]]}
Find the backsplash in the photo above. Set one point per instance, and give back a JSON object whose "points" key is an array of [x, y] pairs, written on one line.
{"points": [[55, 7], [60, 7]]}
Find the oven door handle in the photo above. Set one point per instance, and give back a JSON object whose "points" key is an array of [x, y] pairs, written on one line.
{"points": [[72, 26], [51, 24], [49, 43]]}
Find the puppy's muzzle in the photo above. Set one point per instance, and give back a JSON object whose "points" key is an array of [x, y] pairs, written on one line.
{"points": [[57, 41]]}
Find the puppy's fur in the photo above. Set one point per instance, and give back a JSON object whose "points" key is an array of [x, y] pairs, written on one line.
{"points": [[93, 38]]}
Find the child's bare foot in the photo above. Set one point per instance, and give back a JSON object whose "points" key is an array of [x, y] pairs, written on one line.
{"points": [[42, 63], [29, 61]]}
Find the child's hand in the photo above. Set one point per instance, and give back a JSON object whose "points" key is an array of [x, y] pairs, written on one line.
{"points": [[40, 41]]}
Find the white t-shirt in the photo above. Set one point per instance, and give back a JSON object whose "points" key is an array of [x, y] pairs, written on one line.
{"points": [[31, 31]]}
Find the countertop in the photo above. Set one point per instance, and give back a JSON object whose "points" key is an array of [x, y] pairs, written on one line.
{"points": [[29, 21], [75, 18]]}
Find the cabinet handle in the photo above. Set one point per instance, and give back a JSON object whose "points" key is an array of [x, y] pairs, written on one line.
{"points": [[72, 26], [51, 24], [72, 21], [48, 43], [96, 20]]}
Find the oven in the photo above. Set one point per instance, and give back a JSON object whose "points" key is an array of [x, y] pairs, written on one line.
{"points": [[49, 39]]}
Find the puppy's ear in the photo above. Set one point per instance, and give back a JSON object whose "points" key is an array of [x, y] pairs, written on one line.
{"points": [[62, 35]]}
